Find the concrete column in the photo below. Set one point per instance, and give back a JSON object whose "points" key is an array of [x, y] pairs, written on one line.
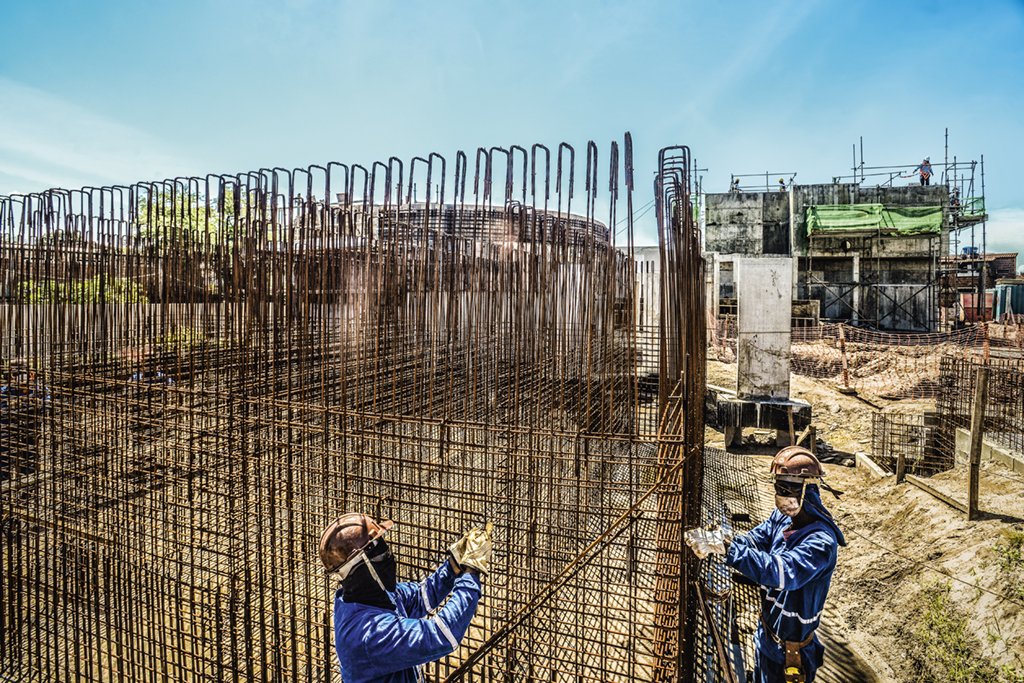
{"points": [[856, 288], [764, 290], [712, 278]]}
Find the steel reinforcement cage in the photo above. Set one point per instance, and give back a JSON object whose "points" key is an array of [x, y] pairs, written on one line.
{"points": [[1003, 423], [200, 373]]}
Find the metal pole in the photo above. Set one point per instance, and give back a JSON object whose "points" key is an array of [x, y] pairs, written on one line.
{"points": [[862, 158], [984, 228], [945, 161], [842, 352]]}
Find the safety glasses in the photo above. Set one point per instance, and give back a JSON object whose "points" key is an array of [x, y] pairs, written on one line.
{"points": [[788, 489]]}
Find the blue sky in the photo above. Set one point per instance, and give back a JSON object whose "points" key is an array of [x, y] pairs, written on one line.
{"points": [[99, 92]]}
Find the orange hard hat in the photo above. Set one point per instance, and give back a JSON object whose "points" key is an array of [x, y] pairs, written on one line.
{"points": [[796, 461], [347, 535]]}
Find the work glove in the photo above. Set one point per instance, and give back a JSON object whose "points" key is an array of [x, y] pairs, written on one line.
{"points": [[712, 540], [473, 551]]}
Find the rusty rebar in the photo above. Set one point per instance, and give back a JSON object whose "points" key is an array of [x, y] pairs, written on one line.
{"points": [[199, 373]]}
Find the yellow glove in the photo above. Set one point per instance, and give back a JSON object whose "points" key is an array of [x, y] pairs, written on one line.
{"points": [[473, 551]]}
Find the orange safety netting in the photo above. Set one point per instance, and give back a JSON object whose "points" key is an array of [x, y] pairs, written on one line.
{"points": [[884, 364]]}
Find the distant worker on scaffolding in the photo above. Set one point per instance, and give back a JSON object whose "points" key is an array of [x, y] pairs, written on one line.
{"points": [[735, 187], [384, 631], [791, 556], [782, 185], [924, 169]]}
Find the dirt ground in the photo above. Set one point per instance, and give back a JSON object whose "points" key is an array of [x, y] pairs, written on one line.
{"points": [[843, 421], [903, 542]]}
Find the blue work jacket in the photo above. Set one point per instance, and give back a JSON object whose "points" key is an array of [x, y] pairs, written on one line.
{"points": [[377, 645], [795, 572]]}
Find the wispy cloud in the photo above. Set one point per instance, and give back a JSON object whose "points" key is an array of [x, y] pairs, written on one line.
{"points": [[1005, 230], [781, 22], [48, 141]]}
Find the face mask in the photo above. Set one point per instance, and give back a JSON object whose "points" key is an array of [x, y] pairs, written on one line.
{"points": [[383, 562], [375, 572], [787, 498]]}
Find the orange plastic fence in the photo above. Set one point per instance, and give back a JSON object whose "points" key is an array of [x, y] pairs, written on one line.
{"points": [[885, 364]]}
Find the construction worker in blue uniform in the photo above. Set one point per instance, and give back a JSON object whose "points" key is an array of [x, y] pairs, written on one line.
{"points": [[385, 630], [791, 556]]}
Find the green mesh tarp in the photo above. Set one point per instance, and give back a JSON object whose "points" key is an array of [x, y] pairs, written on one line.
{"points": [[897, 220], [973, 206]]}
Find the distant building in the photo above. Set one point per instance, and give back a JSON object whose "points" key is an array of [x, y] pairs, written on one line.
{"points": [[870, 256], [966, 267]]}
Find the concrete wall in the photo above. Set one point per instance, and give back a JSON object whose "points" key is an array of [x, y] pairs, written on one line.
{"points": [[813, 195], [775, 223], [712, 290], [990, 451], [750, 223], [755, 223], [850, 193], [764, 288], [905, 195], [733, 223], [873, 246], [881, 280]]}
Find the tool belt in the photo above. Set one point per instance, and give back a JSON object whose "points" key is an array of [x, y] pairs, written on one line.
{"points": [[793, 669]]}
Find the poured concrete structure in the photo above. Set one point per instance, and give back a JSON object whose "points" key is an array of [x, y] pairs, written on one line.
{"points": [[882, 280], [764, 288], [751, 223]]}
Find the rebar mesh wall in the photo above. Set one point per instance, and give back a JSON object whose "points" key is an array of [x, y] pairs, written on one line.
{"points": [[928, 443], [915, 438], [201, 373], [1004, 411], [726, 627]]}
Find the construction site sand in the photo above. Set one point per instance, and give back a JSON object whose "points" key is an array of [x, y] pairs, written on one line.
{"points": [[880, 371], [878, 593], [841, 420], [894, 530]]}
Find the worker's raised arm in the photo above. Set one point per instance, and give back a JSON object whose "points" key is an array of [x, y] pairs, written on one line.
{"points": [[786, 570], [423, 597], [392, 643], [472, 551], [759, 537]]}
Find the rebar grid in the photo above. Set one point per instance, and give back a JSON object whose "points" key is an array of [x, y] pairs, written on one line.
{"points": [[201, 372], [1004, 411], [731, 496], [928, 443], [915, 438]]}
